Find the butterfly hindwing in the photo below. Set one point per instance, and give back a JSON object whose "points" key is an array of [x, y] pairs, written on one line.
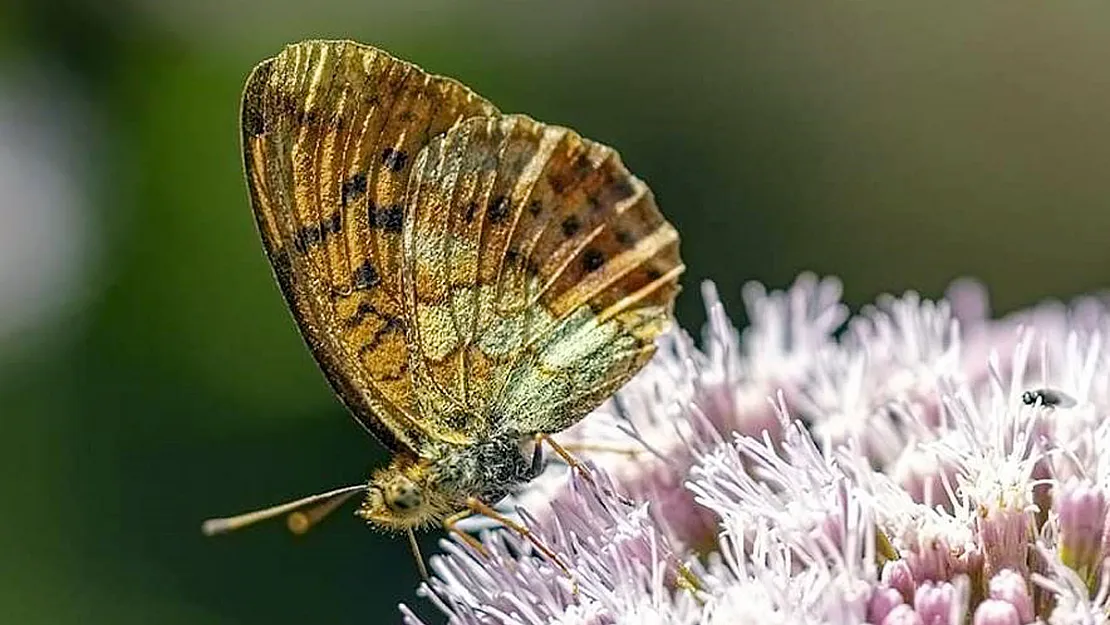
{"points": [[330, 133], [538, 272]]}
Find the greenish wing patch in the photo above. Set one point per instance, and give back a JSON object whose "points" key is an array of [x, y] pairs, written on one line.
{"points": [[572, 369]]}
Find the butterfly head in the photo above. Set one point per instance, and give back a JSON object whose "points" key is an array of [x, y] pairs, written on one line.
{"points": [[403, 496]]}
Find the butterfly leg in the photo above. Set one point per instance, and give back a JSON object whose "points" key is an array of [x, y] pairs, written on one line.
{"points": [[564, 454], [575, 464], [607, 449], [478, 506], [451, 525]]}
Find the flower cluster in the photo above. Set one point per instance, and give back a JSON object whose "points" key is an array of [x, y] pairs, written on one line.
{"points": [[919, 462]]}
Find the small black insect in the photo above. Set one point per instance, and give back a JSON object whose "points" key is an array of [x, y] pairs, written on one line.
{"points": [[1048, 397]]}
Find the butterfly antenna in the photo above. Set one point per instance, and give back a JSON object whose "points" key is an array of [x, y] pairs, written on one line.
{"points": [[299, 522], [416, 554]]}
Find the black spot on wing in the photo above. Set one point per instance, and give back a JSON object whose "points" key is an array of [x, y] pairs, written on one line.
{"points": [[366, 277], [313, 234], [333, 225], [364, 310], [582, 164], [392, 324], [388, 218], [499, 210], [306, 237], [592, 259], [393, 159], [353, 188], [571, 226], [622, 188], [294, 108]]}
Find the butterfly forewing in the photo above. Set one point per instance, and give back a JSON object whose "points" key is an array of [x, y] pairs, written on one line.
{"points": [[538, 272], [330, 133]]}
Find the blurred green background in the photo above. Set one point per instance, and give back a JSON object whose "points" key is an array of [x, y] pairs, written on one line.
{"points": [[150, 375]]}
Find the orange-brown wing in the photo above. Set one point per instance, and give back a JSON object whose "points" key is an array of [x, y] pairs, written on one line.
{"points": [[330, 132], [538, 272]]}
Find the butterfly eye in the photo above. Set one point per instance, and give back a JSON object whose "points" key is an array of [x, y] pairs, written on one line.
{"points": [[403, 496]]}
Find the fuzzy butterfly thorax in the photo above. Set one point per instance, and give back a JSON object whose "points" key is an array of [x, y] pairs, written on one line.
{"points": [[466, 279]]}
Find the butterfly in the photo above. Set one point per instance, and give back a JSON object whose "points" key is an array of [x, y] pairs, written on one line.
{"points": [[467, 280]]}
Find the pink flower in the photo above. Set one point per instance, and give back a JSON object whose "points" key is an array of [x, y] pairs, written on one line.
{"points": [[921, 464]]}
